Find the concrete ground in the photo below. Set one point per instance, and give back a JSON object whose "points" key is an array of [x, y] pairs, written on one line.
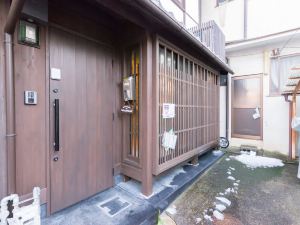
{"points": [[124, 204], [264, 196]]}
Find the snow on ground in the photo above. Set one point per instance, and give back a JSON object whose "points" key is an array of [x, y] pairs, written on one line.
{"points": [[230, 178], [224, 200], [171, 210], [218, 215], [207, 217], [217, 152], [198, 220], [220, 207], [252, 161]]}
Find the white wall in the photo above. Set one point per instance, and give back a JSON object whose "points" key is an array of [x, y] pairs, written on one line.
{"points": [[275, 109], [264, 17], [231, 23]]}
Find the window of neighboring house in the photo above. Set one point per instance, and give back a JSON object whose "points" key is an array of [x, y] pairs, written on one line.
{"points": [[280, 67]]}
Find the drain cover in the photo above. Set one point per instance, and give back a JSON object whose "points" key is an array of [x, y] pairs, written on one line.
{"points": [[113, 206]]}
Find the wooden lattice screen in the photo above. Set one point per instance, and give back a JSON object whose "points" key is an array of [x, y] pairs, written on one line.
{"points": [[194, 89]]}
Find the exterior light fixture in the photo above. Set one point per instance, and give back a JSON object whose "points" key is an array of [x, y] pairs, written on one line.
{"points": [[29, 34]]}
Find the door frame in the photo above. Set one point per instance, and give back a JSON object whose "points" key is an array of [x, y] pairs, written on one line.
{"points": [[49, 104], [241, 77]]}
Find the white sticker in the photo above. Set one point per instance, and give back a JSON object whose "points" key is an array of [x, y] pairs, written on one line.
{"points": [[169, 140], [168, 110], [55, 74]]}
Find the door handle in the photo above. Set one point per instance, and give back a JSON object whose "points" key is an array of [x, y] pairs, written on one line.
{"points": [[56, 124]]}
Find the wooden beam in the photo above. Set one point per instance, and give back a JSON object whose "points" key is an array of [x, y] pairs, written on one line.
{"points": [[146, 115]]}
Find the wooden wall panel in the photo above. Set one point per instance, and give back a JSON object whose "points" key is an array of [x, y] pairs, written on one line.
{"points": [[3, 171], [31, 141], [118, 117]]}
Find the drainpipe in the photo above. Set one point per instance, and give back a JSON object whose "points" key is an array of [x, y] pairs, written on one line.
{"points": [[286, 98], [12, 18], [245, 19]]}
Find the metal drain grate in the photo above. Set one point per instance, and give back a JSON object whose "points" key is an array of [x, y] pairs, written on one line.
{"points": [[113, 206]]}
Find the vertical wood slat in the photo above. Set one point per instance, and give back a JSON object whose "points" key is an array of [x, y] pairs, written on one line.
{"points": [[191, 87]]}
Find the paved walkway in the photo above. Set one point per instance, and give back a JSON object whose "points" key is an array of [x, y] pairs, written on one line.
{"points": [[124, 204], [264, 196]]}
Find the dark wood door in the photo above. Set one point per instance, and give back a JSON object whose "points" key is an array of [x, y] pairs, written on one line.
{"points": [[83, 164]]}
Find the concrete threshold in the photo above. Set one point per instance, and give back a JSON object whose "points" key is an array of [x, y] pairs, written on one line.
{"points": [[124, 204]]}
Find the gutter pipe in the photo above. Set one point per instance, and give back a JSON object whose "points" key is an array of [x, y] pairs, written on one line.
{"points": [[9, 28], [162, 15]]}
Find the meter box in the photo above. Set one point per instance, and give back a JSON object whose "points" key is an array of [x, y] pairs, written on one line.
{"points": [[129, 88], [30, 97]]}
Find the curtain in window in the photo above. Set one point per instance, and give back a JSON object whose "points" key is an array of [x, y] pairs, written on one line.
{"points": [[280, 68]]}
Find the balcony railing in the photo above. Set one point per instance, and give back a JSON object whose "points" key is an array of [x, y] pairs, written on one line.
{"points": [[207, 33], [212, 37]]}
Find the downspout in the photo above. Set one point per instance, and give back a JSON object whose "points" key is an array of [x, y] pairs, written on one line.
{"points": [[286, 98], [245, 19], [12, 18]]}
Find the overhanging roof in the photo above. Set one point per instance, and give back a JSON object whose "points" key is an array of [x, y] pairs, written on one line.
{"points": [[147, 13]]}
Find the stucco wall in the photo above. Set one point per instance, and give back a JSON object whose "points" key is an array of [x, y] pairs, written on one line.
{"points": [[275, 109], [264, 17]]}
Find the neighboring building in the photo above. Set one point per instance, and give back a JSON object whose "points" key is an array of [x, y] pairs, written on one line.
{"points": [[61, 70], [262, 44]]}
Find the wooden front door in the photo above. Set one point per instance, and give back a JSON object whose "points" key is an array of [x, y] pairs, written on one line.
{"points": [[81, 110], [247, 107]]}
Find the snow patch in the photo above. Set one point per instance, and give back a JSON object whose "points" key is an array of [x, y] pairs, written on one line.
{"points": [[227, 159], [171, 210], [198, 220], [252, 161], [224, 200], [235, 184], [228, 172], [217, 153], [218, 215], [230, 178], [220, 207], [232, 168], [207, 217]]}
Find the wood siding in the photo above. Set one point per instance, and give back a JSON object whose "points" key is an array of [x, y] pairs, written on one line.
{"points": [[31, 129]]}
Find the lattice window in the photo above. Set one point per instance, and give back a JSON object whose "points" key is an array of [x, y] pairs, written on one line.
{"points": [[194, 89]]}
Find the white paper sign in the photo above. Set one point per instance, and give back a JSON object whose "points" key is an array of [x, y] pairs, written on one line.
{"points": [[168, 110], [55, 74], [169, 140], [256, 115]]}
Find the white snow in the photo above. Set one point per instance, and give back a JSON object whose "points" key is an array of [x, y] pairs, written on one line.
{"points": [[220, 207], [229, 190], [252, 161], [228, 172], [198, 220], [171, 210], [227, 159], [218, 215], [235, 184], [207, 217], [231, 168], [230, 178], [217, 153], [224, 200]]}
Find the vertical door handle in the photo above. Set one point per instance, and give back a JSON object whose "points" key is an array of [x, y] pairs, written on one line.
{"points": [[56, 124]]}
